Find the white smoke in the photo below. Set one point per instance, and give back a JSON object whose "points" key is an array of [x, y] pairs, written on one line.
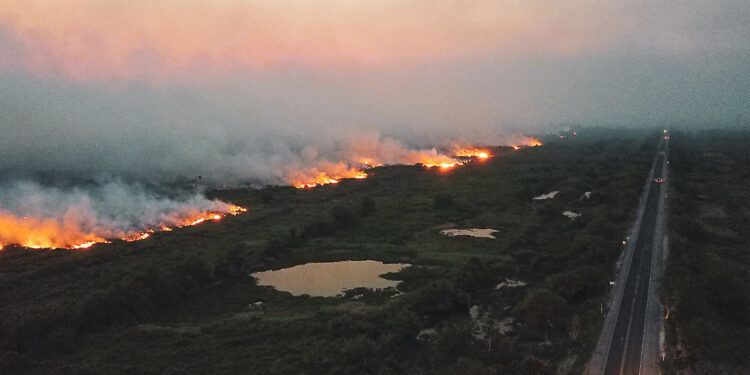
{"points": [[111, 209], [112, 144]]}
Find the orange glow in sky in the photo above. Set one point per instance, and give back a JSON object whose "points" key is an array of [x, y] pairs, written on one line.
{"points": [[91, 39]]}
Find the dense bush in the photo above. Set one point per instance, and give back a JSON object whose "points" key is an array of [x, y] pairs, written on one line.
{"points": [[366, 206], [343, 216], [442, 201], [539, 306], [579, 283]]}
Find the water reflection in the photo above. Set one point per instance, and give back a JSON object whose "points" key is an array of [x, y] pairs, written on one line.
{"points": [[331, 278]]}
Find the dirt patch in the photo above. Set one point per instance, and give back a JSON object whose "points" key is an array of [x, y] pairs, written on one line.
{"points": [[473, 232], [549, 195], [510, 283], [571, 215]]}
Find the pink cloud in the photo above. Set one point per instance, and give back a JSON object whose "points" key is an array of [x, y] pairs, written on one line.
{"points": [[159, 40]]}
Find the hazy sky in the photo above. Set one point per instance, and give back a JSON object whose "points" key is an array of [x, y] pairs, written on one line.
{"points": [[241, 88]]}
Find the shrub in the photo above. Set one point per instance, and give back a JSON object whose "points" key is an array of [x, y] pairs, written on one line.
{"points": [[442, 201], [343, 216], [454, 340], [317, 228], [275, 247], [234, 264], [366, 206], [538, 306], [12, 362], [578, 284], [196, 270]]}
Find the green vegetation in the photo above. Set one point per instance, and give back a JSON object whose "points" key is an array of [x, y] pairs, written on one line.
{"points": [[707, 284], [179, 302]]}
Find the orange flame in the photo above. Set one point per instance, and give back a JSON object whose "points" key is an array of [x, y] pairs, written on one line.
{"points": [[433, 159], [215, 216], [38, 233], [369, 163], [313, 177], [472, 152], [443, 165], [138, 237], [332, 173], [50, 234], [532, 142], [368, 153]]}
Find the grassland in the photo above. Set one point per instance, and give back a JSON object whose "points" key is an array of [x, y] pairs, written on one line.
{"points": [[707, 283], [178, 302]]}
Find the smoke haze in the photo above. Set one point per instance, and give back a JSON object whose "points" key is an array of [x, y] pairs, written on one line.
{"points": [[143, 92]]}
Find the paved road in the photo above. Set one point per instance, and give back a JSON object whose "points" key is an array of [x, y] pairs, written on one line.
{"points": [[622, 343]]}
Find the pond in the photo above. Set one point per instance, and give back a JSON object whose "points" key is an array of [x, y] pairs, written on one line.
{"points": [[331, 278]]}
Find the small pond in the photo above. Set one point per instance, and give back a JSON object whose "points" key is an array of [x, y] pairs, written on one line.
{"points": [[331, 278]]}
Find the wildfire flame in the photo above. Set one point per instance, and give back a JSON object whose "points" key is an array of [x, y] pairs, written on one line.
{"points": [[366, 157], [532, 142], [39, 233], [50, 234], [443, 163], [138, 237], [322, 178], [472, 152]]}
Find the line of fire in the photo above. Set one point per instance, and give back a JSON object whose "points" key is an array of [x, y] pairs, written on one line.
{"points": [[36, 233]]}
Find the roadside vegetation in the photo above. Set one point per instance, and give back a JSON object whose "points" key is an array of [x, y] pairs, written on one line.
{"points": [[707, 282], [184, 301]]}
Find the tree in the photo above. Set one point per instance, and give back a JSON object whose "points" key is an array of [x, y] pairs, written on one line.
{"points": [[442, 201], [366, 206], [538, 306], [574, 327], [343, 216]]}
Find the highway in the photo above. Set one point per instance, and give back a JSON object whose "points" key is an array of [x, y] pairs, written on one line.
{"points": [[629, 332]]}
